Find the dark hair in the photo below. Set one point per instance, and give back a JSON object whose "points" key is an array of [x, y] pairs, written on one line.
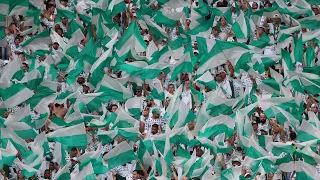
{"points": [[155, 125], [48, 6], [293, 135]]}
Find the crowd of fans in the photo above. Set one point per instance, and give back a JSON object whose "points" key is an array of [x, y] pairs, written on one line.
{"points": [[153, 120]]}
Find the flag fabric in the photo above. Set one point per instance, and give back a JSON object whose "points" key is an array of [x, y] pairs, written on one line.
{"points": [[123, 153]]}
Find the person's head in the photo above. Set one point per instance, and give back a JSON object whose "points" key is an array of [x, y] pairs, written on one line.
{"points": [[50, 8], [215, 31], [64, 2], [223, 21], [254, 5], [276, 19], [184, 178], [17, 41], [51, 166], [155, 129], [74, 161], [114, 108], [167, 102], [171, 88], [222, 75], [83, 42], [7, 31], [139, 91], [136, 174], [255, 126], [55, 45], [117, 19], [47, 174], [145, 112], [314, 108], [199, 152], [191, 125], [25, 67], [156, 113], [64, 20], [150, 102], [85, 88], [293, 136], [20, 175], [81, 80], [263, 118], [60, 32], [315, 9], [187, 84], [74, 152]]}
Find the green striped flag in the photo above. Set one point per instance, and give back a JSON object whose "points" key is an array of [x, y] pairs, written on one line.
{"points": [[220, 53], [306, 171], [133, 106], [130, 39], [312, 22], [167, 17], [86, 173], [107, 136], [74, 136], [156, 30], [113, 89], [95, 158], [270, 85], [27, 170], [217, 125], [18, 7], [15, 95], [63, 173], [182, 66], [120, 154], [207, 79], [59, 154], [123, 119], [242, 27], [40, 41], [307, 132], [276, 148], [8, 154]]}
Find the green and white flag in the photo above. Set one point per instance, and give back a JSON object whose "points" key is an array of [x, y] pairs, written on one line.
{"points": [[307, 132], [156, 30], [276, 148], [134, 107], [312, 22], [207, 79], [27, 170], [221, 52], [107, 136], [123, 119], [306, 171], [86, 173], [63, 173], [114, 89], [130, 134], [8, 155], [18, 7], [95, 158], [15, 95], [40, 41], [217, 125], [74, 136], [130, 39], [59, 154], [120, 154], [242, 27], [167, 17], [182, 66]]}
